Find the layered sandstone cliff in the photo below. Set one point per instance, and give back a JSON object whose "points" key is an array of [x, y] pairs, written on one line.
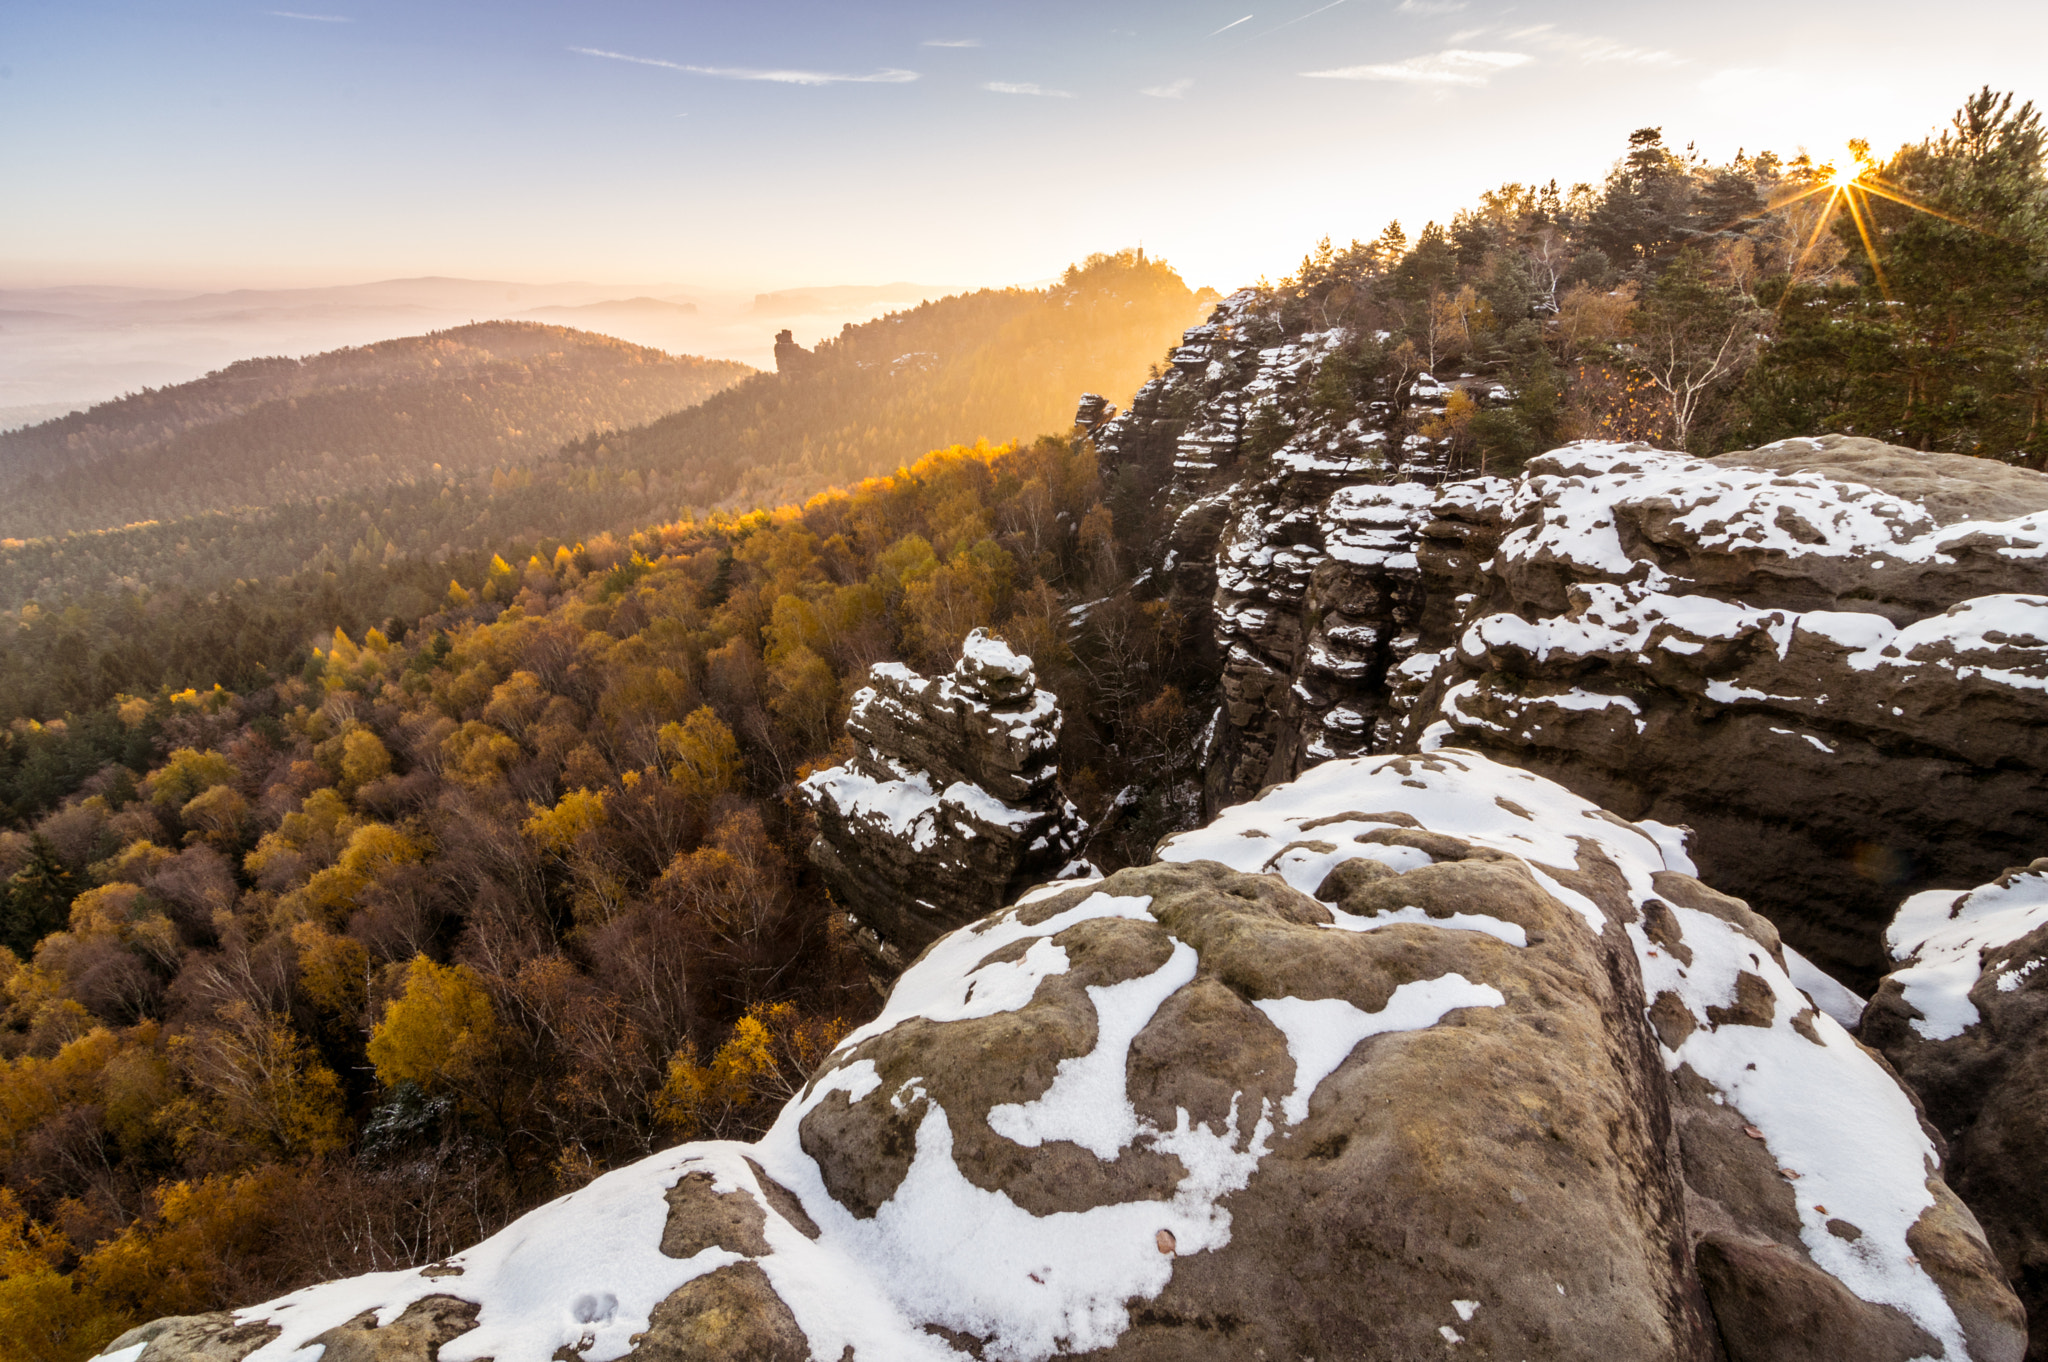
{"points": [[1963, 1016], [1829, 657]]}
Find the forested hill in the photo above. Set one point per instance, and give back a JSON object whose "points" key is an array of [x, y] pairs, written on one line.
{"points": [[264, 432], [998, 364], [1001, 363]]}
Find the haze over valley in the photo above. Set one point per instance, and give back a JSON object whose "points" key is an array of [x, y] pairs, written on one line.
{"points": [[66, 347]]}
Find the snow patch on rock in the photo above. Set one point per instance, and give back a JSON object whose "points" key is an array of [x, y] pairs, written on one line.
{"points": [[1940, 937]]}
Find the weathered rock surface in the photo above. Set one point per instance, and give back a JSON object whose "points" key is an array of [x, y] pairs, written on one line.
{"points": [[1841, 685], [1829, 657], [1415, 1056], [1291, 519], [1964, 1019], [950, 807]]}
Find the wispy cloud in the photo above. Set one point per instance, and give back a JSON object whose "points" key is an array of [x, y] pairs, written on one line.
{"points": [[1171, 90], [1428, 7], [1454, 66], [311, 18], [950, 42], [780, 77], [1232, 24], [1025, 87], [1591, 48]]}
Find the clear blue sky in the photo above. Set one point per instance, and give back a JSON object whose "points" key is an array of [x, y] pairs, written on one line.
{"points": [[331, 141]]}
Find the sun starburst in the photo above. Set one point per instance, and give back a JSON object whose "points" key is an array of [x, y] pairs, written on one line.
{"points": [[1849, 187]]}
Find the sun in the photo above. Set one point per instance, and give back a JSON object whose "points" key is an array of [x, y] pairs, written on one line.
{"points": [[1850, 184]]}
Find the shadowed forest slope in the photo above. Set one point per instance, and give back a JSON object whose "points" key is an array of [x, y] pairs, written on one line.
{"points": [[267, 431]]}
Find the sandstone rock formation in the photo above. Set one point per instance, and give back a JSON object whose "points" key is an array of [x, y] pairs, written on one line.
{"points": [[1965, 1021], [1414, 1057], [950, 808], [1291, 527], [792, 359], [1829, 657]]}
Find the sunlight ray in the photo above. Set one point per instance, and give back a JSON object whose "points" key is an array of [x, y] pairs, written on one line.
{"points": [[1869, 248]]}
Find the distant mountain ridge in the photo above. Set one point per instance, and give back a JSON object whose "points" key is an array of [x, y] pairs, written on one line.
{"points": [[997, 364], [618, 307], [266, 431]]}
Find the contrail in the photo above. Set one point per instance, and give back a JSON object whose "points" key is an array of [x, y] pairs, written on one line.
{"points": [[1292, 22], [1232, 24]]}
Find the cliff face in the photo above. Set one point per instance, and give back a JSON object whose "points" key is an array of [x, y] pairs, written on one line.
{"points": [[1829, 657], [1415, 1053], [1292, 501]]}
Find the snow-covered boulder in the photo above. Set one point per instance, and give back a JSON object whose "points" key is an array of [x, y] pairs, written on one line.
{"points": [[1964, 1018], [950, 807], [1413, 1057], [1829, 657]]}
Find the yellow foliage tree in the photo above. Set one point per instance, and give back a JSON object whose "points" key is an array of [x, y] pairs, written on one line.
{"points": [[186, 774], [363, 758], [703, 755], [1454, 423], [341, 653], [315, 833], [258, 1089], [334, 970], [439, 1032], [803, 692], [555, 830], [516, 702], [761, 1063], [44, 1317], [218, 815], [695, 1095], [477, 754], [334, 893]]}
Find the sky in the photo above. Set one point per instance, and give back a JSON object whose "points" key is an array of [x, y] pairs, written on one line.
{"points": [[768, 145]]}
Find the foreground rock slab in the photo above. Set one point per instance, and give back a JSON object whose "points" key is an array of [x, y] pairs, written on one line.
{"points": [[1413, 1057], [1965, 1020]]}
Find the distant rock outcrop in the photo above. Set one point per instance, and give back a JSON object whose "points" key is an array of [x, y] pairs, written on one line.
{"points": [[1091, 411], [1414, 1057], [790, 358], [1964, 1019], [950, 807]]}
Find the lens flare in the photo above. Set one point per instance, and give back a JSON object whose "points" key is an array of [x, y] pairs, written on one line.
{"points": [[1850, 185]]}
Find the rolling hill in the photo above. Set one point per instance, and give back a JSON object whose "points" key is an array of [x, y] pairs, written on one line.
{"points": [[266, 432]]}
